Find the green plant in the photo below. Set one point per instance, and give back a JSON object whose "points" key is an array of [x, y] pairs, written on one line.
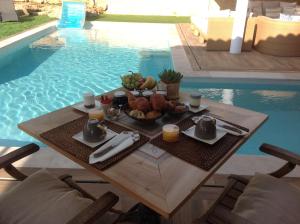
{"points": [[170, 76]]}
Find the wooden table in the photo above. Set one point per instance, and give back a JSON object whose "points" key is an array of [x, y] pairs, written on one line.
{"points": [[162, 184]]}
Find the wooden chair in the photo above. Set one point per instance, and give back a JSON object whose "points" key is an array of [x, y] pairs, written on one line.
{"points": [[88, 215], [220, 210]]}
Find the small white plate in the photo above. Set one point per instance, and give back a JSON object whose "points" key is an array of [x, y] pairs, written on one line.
{"points": [[219, 123], [197, 109], [80, 106], [191, 133], [79, 137]]}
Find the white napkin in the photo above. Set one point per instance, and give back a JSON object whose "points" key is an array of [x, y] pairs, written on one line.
{"points": [[125, 144]]}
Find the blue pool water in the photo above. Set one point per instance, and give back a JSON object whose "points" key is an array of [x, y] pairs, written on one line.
{"points": [[280, 102], [40, 78]]}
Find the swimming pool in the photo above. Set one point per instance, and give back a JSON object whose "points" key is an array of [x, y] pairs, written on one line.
{"points": [[53, 72], [280, 102]]}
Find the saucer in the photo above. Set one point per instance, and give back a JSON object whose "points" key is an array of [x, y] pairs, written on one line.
{"points": [[191, 133], [79, 137], [80, 106], [197, 109]]}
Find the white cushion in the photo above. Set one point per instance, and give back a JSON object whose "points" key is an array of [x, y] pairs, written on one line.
{"points": [[285, 17], [41, 199], [253, 4], [270, 4], [273, 12], [288, 4], [289, 10], [295, 18], [297, 12], [257, 11], [268, 199]]}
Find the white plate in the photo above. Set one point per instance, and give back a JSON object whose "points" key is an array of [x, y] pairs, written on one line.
{"points": [[191, 133], [197, 109], [219, 123], [80, 106], [79, 137]]}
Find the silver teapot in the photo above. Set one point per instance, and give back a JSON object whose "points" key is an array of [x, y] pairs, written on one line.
{"points": [[206, 128]]}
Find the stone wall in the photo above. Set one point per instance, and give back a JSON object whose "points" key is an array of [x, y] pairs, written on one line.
{"points": [[89, 3], [52, 8]]}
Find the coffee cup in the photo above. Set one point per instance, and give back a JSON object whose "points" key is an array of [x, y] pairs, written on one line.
{"points": [[195, 99], [206, 128], [93, 131], [89, 100]]}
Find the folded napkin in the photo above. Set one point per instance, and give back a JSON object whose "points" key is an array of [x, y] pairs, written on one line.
{"points": [[130, 139]]}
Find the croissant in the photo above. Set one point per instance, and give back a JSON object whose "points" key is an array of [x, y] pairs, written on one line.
{"points": [[158, 102]]}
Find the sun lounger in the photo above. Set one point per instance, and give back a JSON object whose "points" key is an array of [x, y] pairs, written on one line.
{"points": [[7, 11]]}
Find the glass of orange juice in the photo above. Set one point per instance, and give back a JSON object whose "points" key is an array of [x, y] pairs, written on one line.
{"points": [[170, 133], [96, 114]]}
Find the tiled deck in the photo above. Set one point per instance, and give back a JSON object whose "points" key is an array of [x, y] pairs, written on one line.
{"points": [[202, 60]]}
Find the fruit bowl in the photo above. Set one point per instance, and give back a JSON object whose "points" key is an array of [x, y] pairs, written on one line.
{"points": [[135, 81]]}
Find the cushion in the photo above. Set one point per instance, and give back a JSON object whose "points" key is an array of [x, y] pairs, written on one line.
{"points": [[270, 4], [285, 17], [257, 11], [288, 4], [295, 18], [267, 199], [255, 7], [41, 198], [254, 4], [273, 12], [297, 11], [289, 10]]}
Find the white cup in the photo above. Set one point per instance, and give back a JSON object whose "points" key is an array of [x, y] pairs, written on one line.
{"points": [[89, 100]]}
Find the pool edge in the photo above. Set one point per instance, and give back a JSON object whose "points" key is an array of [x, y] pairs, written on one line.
{"points": [[43, 29]]}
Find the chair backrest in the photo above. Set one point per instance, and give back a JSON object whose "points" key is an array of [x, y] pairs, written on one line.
{"points": [[7, 10]]}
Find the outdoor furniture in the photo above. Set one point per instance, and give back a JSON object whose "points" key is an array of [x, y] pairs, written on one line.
{"points": [[217, 32], [223, 210], [7, 11], [150, 175], [276, 37], [42, 198]]}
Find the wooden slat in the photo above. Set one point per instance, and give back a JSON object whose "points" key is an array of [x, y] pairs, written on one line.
{"points": [[224, 61]]}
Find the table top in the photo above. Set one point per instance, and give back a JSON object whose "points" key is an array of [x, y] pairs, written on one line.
{"points": [[159, 180]]}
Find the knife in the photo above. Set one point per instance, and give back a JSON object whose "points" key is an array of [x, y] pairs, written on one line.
{"points": [[115, 142], [230, 128]]}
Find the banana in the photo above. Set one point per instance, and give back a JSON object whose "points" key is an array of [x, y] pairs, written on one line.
{"points": [[149, 82]]}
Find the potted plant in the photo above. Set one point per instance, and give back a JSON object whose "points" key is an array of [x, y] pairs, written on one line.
{"points": [[171, 79]]}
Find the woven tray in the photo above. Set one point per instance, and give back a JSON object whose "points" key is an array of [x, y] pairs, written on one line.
{"points": [[194, 152], [62, 138], [151, 130]]}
